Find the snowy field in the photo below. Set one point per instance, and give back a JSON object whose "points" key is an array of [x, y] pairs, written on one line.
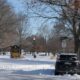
{"points": [[29, 68]]}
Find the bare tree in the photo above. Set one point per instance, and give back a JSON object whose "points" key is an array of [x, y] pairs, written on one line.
{"points": [[54, 43], [44, 31], [67, 12], [8, 24], [22, 30]]}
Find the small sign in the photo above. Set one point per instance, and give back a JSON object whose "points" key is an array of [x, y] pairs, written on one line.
{"points": [[64, 44], [34, 38]]}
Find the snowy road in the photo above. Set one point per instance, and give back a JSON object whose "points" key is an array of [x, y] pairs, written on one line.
{"points": [[28, 68], [24, 77], [4, 76]]}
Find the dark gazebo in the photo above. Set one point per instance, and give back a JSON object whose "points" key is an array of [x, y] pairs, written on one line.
{"points": [[15, 51]]}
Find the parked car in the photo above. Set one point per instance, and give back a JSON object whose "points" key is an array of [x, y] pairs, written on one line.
{"points": [[42, 54], [66, 64]]}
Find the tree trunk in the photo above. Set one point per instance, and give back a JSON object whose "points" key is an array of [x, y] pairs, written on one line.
{"points": [[76, 44]]}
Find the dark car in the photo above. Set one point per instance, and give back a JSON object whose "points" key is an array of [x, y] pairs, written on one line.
{"points": [[66, 64]]}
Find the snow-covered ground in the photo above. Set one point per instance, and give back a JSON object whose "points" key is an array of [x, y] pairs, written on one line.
{"points": [[28, 64], [29, 68]]}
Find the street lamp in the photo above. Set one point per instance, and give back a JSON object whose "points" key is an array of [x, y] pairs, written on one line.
{"points": [[34, 45]]}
